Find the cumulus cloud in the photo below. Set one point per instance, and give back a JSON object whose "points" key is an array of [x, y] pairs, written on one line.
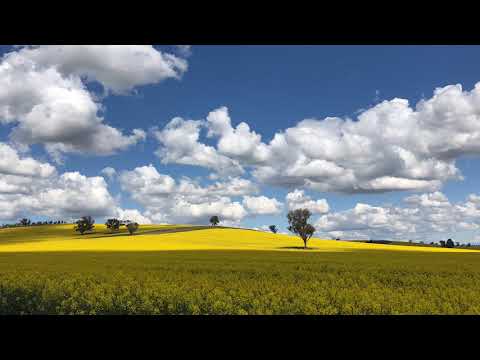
{"points": [[69, 195], [12, 164], [43, 93], [230, 212], [180, 145], [391, 146], [132, 215], [186, 201], [184, 50], [298, 200], [30, 187], [239, 143], [262, 205], [118, 68], [428, 216], [109, 172]]}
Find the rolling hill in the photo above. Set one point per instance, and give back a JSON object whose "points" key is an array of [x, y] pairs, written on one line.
{"points": [[48, 238], [185, 269]]}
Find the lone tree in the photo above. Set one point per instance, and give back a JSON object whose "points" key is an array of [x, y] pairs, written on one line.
{"points": [[273, 229], [449, 243], [298, 220], [25, 222], [214, 220], [84, 224], [132, 227], [113, 224]]}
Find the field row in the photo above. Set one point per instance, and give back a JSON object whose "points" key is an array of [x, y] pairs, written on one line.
{"points": [[240, 282]]}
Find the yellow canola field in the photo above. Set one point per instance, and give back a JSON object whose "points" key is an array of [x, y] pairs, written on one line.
{"points": [[63, 238]]}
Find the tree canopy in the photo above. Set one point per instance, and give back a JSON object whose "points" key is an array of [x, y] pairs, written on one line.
{"points": [[113, 224], [273, 229], [298, 221], [84, 224], [214, 220], [132, 227]]}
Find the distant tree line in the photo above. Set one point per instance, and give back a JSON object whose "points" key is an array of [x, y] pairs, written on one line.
{"points": [[27, 222]]}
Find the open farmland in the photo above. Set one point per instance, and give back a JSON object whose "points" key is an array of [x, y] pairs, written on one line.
{"points": [[51, 269]]}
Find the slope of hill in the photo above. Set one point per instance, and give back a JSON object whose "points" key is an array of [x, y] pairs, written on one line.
{"points": [[52, 270], [174, 237]]}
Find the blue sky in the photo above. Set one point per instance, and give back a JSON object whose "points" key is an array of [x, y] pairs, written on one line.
{"points": [[271, 88]]}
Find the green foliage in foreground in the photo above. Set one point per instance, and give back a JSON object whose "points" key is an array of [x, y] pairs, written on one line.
{"points": [[240, 282]]}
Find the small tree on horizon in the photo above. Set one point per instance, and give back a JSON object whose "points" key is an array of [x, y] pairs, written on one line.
{"points": [[273, 229], [113, 224], [442, 243], [132, 227], [298, 220], [25, 222], [84, 224], [214, 220], [449, 243]]}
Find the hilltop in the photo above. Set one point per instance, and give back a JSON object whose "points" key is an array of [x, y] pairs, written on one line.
{"points": [[48, 238]]}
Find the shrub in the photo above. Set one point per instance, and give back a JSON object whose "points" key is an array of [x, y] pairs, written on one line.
{"points": [[25, 222], [214, 220], [113, 224], [84, 224], [132, 227]]}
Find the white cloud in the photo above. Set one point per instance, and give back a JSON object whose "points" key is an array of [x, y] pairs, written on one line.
{"points": [[12, 164], [262, 205], [29, 187], [43, 93], [179, 140], [69, 195], [185, 201], [389, 147], [239, 143], [435, 199], [109, 172], [184, 50], [298, 200], [119, 68], [186, 211], [132, 215], [426, 217]]}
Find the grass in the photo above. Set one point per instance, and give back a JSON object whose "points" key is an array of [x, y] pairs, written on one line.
{"points": [[51, 270]]}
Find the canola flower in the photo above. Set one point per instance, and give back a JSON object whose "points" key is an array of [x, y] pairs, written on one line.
{"points": [[62, 238], [51, 270]]}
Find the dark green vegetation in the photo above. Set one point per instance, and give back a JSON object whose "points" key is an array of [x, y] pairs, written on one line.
{"points": [[86, 223], [240, 282], [214, 220], [113, 225], [298, 224], [132, 227]]}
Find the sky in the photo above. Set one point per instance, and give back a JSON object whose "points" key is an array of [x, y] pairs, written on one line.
{"points": [[378, 142]]}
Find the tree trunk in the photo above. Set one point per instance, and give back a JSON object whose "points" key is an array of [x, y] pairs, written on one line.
{"points": [[305, 243]]}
